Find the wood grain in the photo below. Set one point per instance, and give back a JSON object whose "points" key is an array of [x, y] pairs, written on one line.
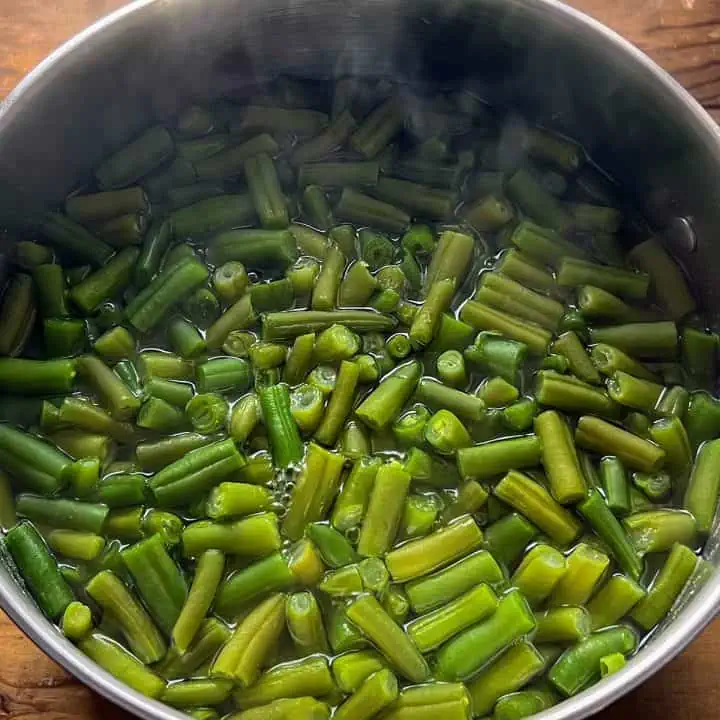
{"points": [[683, 36]]}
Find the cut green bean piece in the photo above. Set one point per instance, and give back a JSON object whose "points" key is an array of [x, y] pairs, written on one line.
{"points": [[466, 653], [384, 511], [607, 527], [138, 629], [560, 458], [439, 396], [507, 538], [615, 485], [445, 585], [658, 530], [607, 439], [424, 555], [432, 630], [614, 601], [307, 677], [383, 404], [251, 642], [120, 663], [483, 317], [314, 491], [657, 340], [523, 704], [701, 496], [669, 284], [355, 207], [539, 572], [352, 503], [368, 615], [208, 574], [586, 566], [510, 672], [532, 500], [487, 460], [581, 664], [38, 569]]}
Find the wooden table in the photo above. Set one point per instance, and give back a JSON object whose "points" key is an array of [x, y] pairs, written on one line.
{"points": [[681, 35]]}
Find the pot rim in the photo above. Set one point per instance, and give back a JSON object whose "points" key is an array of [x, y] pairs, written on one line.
{"points": [[676, 637]]}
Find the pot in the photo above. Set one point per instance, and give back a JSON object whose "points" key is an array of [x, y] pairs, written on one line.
{"points": [[555, 65]]}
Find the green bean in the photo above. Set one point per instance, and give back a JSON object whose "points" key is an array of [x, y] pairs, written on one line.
{"points": [[383, 404], [139, 631], [314, 490], [255, 536], [560, 458], [305, 624], [586, 566], [581, 664], [158, 580], [124, 666], [232, 161], [271, 574], [50, 290], [533, 501], [205, 583], [384, 511], [200, 691], [266, 192], [232, 499], [195, 472], [514, 669], [521, 268], [642, 340], [463, 655], [339, 174], [286, 709], [483, 317], [607, 439], [508, 536], [595, 510], [446, 585], [74, 239], [138, 158], [489, 459], [38, 569], [202, 308], [241, 657], [76, 621], [333, 136], [658, 530], [361, 209], [64, 338], [539, 572], [669, 284], [703, 489], [609, 360], [536, 201], [308, 677], [613, 601], [523, 704], [368, 615], [615, 485]]}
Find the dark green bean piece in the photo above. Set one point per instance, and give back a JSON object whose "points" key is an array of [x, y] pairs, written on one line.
{"points": [[38, 569], [70, 237], [17, 314], [361, 209], [266, 193]]}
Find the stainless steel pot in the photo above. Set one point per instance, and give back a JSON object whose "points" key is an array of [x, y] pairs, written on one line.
{"points": [[550, 62]]}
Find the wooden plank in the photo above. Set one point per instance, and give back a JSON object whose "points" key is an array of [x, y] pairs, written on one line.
{"points": [[683, 36]]}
